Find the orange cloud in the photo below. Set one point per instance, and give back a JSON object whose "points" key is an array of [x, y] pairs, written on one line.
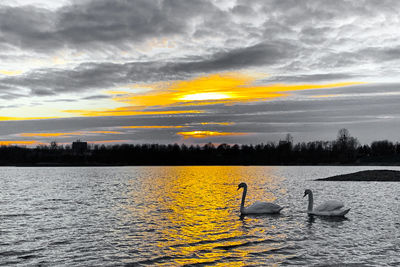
{"points": [[216, 88], [27, 143], [25, 118], [227, 88], [128, 111], [66, 134], [204, 134], [47, 134], [10, 72]]}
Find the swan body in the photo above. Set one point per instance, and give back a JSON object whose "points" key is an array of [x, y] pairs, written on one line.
{"points": [[258, 207], [328, 208]]}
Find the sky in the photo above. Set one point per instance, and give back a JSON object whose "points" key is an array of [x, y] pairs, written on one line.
{"points": [[193, 72]]}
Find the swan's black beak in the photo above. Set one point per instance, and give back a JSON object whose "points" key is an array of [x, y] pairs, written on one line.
{"points": [[305, 194], [238, 187]]}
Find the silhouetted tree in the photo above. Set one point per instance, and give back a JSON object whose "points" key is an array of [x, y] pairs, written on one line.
{"points": [[345, 149], [382, 148], [345, 146]]}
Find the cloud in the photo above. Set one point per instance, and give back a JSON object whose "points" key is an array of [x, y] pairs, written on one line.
{"points": [[227, 88], [95, 97], [47, 82], [205, 134], [280, 37], [19, 143], [28, 27], [317, 77], [260, 54], [306, 119], [69, 134], [85, 24]]}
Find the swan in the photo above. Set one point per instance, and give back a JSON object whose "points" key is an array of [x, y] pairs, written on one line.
{"points": [[328, 208], [258, 207]]}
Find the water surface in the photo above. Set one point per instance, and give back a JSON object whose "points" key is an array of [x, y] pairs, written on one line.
{"points": [[174, 216]]}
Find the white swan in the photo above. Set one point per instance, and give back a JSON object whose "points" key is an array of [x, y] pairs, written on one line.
{"points": [[328, 208], [258, 207]]}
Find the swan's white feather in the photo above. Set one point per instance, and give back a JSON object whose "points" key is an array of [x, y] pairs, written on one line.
{"points": [[262, 207], [330, 205], [335, 213]]}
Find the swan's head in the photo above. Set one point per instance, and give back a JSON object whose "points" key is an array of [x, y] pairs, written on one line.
{"points": [[242, 185], [308, 191]]}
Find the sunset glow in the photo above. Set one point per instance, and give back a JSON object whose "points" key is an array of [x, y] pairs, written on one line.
{"points": [[205, 96], [10, 72], [125, 112], [24, 118], [226, 88], [216, 88], [23, 143], [204, 134], [66, 134]]}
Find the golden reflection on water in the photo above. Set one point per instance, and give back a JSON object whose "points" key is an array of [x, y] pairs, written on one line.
{"points": [[199, 219]]}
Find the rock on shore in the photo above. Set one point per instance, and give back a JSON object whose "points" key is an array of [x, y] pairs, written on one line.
{"points": [[370, 175]]}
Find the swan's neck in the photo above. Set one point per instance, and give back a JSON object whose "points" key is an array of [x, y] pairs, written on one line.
{"points": [[310, 201], [243, 198]]}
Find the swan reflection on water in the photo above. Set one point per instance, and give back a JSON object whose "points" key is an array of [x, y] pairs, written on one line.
{"points": [[312, 218], [259, 216]]}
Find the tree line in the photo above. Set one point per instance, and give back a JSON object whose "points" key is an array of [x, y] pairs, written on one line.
{"points": [[345, 149]]}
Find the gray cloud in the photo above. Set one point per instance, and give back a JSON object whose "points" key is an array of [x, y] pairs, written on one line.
{"points": [[27, 27], [87, 23], [96, 97], [317, 77], [380, 54], [45, 82], [288, 33]]}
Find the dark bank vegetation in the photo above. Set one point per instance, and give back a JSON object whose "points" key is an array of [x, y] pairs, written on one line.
{"points": [[369, 175], [345, 149]]}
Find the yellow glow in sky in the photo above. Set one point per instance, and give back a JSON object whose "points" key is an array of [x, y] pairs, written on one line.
{"points": [[204, 134], [227, 88], [224, 87], [25, 143], [205, 96], [124, 112], [10, 72], [24, 118], [220, 88], [66, 134]]}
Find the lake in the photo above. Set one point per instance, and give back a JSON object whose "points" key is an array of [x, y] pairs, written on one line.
{"points": [[175, 216]]}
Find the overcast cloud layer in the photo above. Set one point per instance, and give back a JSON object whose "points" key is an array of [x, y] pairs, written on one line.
{"points": [[80, 55]]}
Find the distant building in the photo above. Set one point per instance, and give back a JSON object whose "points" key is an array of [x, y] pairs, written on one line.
{"points": [[79, 147]]}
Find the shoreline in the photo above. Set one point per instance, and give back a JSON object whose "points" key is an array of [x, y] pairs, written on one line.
{"points": [[194, 164], [366, 176]]}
